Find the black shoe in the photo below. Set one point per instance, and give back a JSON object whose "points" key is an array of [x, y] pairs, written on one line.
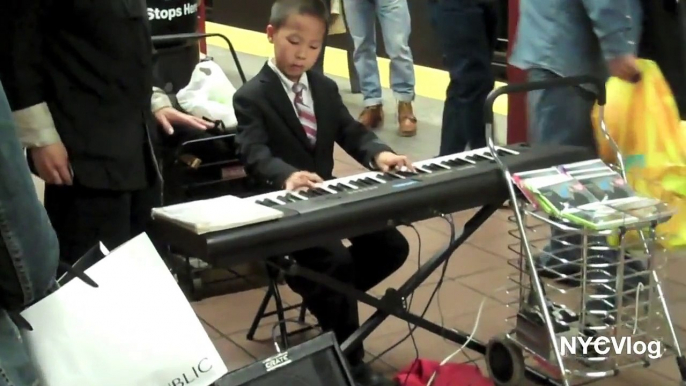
{"points": [[562, 317], [363, 375]]}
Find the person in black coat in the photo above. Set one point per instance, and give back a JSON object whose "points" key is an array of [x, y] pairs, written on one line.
{"points": [[79, 80]]}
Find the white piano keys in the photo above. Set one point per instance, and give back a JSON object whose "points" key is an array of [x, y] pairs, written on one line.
{"points": [[423, 168], [326, 186]]}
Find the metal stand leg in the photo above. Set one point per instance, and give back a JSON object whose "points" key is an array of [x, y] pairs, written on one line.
{"points": [[280, 312]]}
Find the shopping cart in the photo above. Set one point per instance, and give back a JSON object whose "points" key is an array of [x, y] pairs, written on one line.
{"points": [[615, 305]]}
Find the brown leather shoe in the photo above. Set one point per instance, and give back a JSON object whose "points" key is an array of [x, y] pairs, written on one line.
{"points": [[407, 122], [372, 117]]}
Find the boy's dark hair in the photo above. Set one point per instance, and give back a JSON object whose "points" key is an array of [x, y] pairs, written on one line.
{"points": [[282, 9]]}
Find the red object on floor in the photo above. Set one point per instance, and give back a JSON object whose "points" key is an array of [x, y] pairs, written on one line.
{"points": [[451, 374]]}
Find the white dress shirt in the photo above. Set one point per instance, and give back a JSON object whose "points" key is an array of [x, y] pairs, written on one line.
{"points": [[288, 86]]}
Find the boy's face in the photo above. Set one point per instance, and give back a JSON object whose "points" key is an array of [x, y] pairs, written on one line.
{"points": [[297, 44]]}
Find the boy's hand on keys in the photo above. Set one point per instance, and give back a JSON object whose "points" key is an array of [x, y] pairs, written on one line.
{"points": [[302, 179], [387, 161]]}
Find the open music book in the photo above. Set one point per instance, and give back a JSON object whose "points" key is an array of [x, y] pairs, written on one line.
{"points": [[216, 214]]}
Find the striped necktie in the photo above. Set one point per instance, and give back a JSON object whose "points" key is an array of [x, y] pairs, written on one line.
{"points": [[305, 113]]}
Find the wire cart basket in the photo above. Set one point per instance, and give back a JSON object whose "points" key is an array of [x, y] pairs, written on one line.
{"points": [[601, 308]]}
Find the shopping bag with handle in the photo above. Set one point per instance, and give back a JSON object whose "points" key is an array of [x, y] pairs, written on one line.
{"points": [[131, 326], [643, 120]]}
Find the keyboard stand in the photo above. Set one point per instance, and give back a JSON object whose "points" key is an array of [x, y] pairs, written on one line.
{"points": [[392, 302]]}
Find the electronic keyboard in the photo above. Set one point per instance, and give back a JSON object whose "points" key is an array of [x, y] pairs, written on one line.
{"points": [[370, 201], [366, 186]]}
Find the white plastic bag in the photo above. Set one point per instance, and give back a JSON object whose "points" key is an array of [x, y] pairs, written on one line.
{"points": [[209, 94]]}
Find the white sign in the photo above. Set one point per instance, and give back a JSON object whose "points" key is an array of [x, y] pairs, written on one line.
{"points": [[172, 13], [569, 345]]}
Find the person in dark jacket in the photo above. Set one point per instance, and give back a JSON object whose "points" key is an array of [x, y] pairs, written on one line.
{"points": [[78, 77]]}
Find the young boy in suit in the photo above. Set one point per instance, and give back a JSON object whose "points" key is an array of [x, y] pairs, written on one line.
{"points": [[289, 119]]}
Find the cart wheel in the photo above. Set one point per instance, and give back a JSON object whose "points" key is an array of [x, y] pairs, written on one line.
{"points": [[505, 362]]}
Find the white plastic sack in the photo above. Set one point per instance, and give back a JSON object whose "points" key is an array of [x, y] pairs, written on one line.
{"points": [[209, 94], [135, 329]]}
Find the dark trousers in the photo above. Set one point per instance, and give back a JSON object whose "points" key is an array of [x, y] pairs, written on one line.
{"points": [[467, 33], [83, 216], [370, 259]]}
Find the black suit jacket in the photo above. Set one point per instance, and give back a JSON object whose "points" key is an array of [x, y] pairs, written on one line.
{"points": [[272, 143], [91, 62]]}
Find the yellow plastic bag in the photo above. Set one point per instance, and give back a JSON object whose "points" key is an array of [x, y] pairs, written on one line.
{"points": [[644, 121]]}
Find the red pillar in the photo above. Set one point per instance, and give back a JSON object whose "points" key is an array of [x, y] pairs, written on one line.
{"points": [[201, 25], [516, 103]]}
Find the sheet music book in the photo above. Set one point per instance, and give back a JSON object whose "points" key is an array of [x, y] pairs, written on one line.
{"points": [[216, 214]]}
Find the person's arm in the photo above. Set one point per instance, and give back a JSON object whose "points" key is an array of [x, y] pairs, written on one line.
{"points": [[252, 141], [612, 24], [361, 143]]}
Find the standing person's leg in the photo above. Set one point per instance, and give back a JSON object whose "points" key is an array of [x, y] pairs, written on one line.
{"points": [[319, 65], [28, 251], [395, 21], [361, 18], [465, 29], [560, 116], [142, 203], [83, 217]]}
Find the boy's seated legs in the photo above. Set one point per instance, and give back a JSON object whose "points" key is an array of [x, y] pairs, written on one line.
{"points": [[370, 259]]}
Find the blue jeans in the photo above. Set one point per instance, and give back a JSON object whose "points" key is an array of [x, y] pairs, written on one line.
{"points": [[560, 116], [466, 30], [28, 251], [394, 18]]}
